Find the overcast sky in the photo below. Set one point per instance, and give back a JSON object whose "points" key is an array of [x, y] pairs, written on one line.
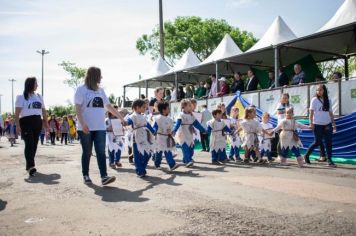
{"points": [[104, 33]]}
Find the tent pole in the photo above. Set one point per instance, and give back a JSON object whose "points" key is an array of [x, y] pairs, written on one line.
{"points": [[139, 92], [217, 76], [346, 60], [146, 86], [124, 98], [276, 54], [176, 84]]}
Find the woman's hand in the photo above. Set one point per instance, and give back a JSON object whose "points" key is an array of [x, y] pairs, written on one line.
{"points": [[18, 130], [311, 126], [85, 128]]}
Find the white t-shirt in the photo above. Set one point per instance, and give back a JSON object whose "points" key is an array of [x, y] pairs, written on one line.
{"points": [[32, 106], [92, 105], [320, 117]]}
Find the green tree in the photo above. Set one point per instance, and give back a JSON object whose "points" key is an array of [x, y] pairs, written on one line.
{"points": [[77, 74], [203, 36], [61, 110], [327, 68]]}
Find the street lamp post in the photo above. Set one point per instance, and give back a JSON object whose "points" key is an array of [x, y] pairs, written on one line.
{"points": [[42, 52], [12, 94]]}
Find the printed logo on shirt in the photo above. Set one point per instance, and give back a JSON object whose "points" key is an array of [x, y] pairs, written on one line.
{"points": [[34, 105], [96, 102], [353, 93]]}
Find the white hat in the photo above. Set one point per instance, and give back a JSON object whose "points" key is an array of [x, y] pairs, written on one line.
{"points": [[222, 79]]}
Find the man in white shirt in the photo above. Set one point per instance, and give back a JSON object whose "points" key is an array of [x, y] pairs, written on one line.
{"points": [[214, 87]]}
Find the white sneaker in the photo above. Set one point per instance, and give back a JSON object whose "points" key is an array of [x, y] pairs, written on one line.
{"points": [[190, 164]]}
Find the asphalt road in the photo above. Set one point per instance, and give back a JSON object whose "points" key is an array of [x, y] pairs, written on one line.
{"points": [[233, 199]]}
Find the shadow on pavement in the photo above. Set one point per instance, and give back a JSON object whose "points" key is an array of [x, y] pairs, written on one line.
{"points": [[114, 194], [44, 179], [2, 205]]}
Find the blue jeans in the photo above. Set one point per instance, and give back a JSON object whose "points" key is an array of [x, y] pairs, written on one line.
{"points": [[188, 153], [234, 151], [98, 138], [169, 158], [218, 155], [114, 156], [140, 160], [322, 132]]}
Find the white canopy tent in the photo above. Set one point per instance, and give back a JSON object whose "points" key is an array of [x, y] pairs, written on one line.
{"points": [[277, 33], [346, 14], [213, 65], [159, 67]]}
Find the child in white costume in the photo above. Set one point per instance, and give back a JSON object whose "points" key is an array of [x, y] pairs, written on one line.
{"points": [[234, 138], [265, 139], [184, 130], [288, 137], [217, 129], [164, 141], [143, 145], [251, 128]]}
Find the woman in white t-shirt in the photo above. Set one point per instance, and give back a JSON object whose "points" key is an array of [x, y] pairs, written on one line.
{"points": [[322, 122], [91, 102], [29, 109]]}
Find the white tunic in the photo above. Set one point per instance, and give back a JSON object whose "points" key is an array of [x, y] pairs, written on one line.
{"points": [[164, 140], [265, 139], [288, 127], [128, 136], [114, 142], [141, 135], [186, 130], [251, 129], [235, 139], [217, 138]]}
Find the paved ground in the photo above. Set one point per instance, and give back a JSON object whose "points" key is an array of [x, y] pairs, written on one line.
{"points": [[234, 199]]}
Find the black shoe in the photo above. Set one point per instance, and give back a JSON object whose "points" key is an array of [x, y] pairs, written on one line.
{"points": [[87, 180], [131, 159], [107, 180], [32, 171], [332, 164], [232, 158], [307, 160]]}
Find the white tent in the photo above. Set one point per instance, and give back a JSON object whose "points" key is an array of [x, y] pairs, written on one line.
{"points": [[346, 14], [226, 48], [159, 67], [188, 60], [277, 33]]}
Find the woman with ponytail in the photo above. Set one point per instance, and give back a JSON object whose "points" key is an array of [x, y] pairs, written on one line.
{"points": [[322, 122], [29, 109]]}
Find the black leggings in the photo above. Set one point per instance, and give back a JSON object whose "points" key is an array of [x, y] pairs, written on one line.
{"points": [[31, 127], [52, 136], [64, 137]]}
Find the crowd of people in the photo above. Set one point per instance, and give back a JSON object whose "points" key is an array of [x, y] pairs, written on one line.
{"points": [[215, 87], [149, 132]]}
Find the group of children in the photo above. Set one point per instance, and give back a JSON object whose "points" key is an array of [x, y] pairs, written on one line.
{"points": [[156, 135]]}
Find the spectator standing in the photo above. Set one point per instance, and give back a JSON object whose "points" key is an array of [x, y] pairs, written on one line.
{"points": [[200, 91], [252, 82], [181, 94], [283, 79], [299, 77], [238, 84], [53, 129], [188, 91], [159, 94], [224, 87], [214, 86], [271, 81], [167, 95]]}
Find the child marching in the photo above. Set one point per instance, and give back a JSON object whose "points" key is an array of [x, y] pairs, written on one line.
{"points": [[265, 139], [289, 139], [251, 128], [217, 129], [143, 146], [184, 128], [164, 141], [235, 139], [115, 140]]}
